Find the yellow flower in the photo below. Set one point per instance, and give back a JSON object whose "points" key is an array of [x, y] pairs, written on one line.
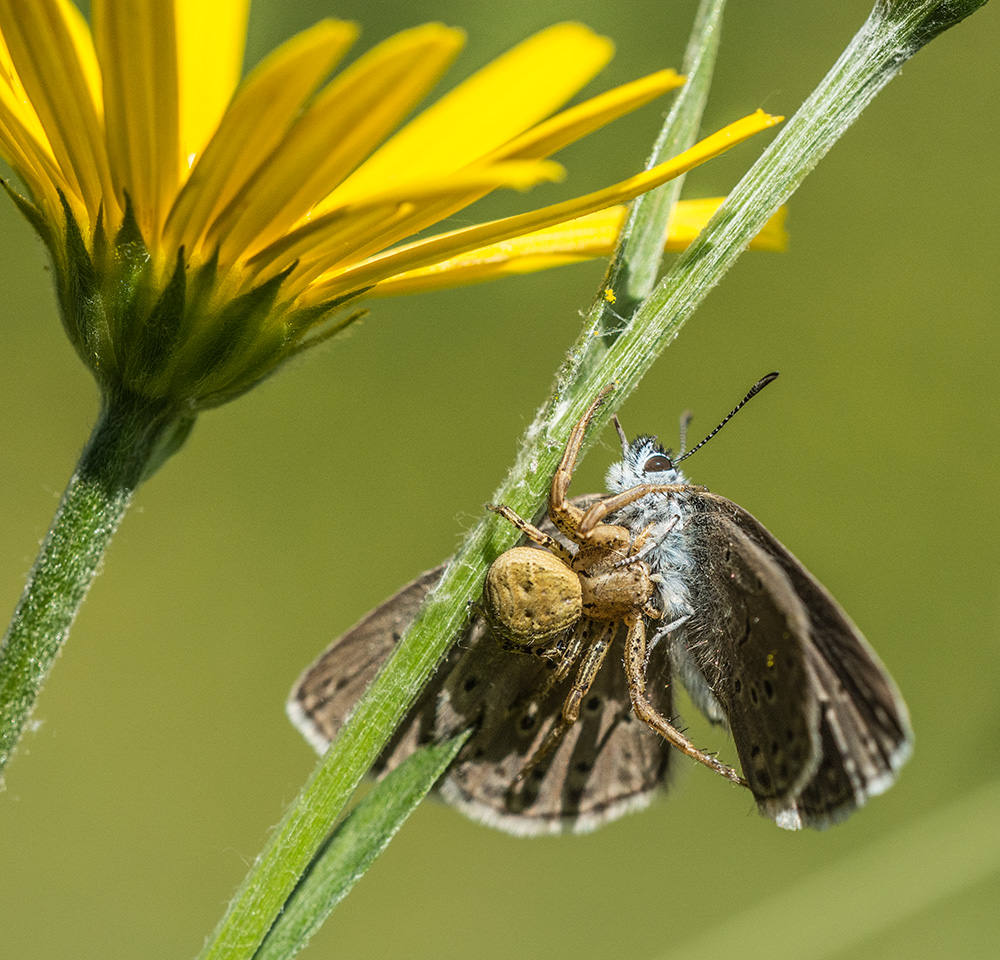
{"points": [[204, 230]]}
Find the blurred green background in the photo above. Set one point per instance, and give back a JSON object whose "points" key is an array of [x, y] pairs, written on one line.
{"points": [[162, 755]]}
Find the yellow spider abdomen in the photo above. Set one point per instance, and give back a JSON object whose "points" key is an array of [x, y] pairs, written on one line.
{"points": [[531, 595]]}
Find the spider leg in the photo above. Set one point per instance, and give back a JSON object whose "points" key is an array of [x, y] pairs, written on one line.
{"points": [[564, 662], [589, 667], [635, 671], [598, 511], [562, 513], [532, 532]]}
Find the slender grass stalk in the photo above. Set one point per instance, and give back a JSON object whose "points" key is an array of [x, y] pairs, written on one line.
{"points": [[633, 269], [271, 880], [894, 31], [125, 443]]}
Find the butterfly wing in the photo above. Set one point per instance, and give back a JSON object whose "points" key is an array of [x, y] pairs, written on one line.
{"points": [[607, 764], [328, 689], [746, 638], [859, 733]]}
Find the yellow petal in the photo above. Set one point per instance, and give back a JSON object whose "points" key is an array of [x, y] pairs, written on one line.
{"points": [[594, 235], [137, 47], [576, 122], [444, 246], [570, 242], [460, 272], [42, 40], [15, 99], [210, 41], [312, 246], [538, 142], [689, 217], [506, 97], [424, 203], [33, 163], [79, 31], [24, 144], [341, 126], [264, 107]]}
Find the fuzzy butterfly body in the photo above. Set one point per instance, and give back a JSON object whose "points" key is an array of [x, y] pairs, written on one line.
{"points": [[763, 649]]}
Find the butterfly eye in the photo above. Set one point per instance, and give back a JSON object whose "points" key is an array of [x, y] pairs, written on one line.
{"points": [[657, 464]]}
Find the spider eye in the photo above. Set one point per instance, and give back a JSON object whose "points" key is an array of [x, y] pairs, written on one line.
{"points": [[657, 464]]}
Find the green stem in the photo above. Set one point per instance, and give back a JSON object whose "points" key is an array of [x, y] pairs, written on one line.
{"points": [[894, 31], [124, 440], [634, 268]]}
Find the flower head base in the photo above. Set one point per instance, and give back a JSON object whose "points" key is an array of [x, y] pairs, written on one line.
{"points": [[203, 231]]}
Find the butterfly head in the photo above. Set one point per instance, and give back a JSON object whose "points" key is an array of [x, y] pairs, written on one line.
{"points": [[643, 461]]}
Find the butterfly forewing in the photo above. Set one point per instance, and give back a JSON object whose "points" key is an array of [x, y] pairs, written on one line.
{"points": [[328, 689], [748, 637]]}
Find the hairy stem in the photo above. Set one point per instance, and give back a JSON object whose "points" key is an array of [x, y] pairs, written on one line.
{"points": [[124, 440]]}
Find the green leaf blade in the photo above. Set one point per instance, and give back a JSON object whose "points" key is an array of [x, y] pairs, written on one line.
{"points": [[354, 846]]}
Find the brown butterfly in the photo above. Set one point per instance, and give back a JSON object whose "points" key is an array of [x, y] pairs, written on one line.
{"points": [[761, 646]]}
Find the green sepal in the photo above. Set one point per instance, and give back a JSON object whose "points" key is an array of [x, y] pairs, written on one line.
{"points": [[245, 313], [131, 290], [201, 285], [260, 363], [242, 331], [309, 318], [161, 330], [168, 443], [100, 252], [328, 332], [129, 243], [171, 338], [83, 312], [31, 213]]}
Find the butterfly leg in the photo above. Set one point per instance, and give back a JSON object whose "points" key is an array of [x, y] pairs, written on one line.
{"points": [[635, 671], [589, 667], [642, 544]]}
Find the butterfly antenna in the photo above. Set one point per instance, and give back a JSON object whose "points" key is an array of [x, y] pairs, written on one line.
{"points": [[683, 433], [754, 390], [621, 433]]}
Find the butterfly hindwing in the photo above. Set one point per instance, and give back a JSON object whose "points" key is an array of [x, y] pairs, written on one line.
{"points": [[860, 726]]}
